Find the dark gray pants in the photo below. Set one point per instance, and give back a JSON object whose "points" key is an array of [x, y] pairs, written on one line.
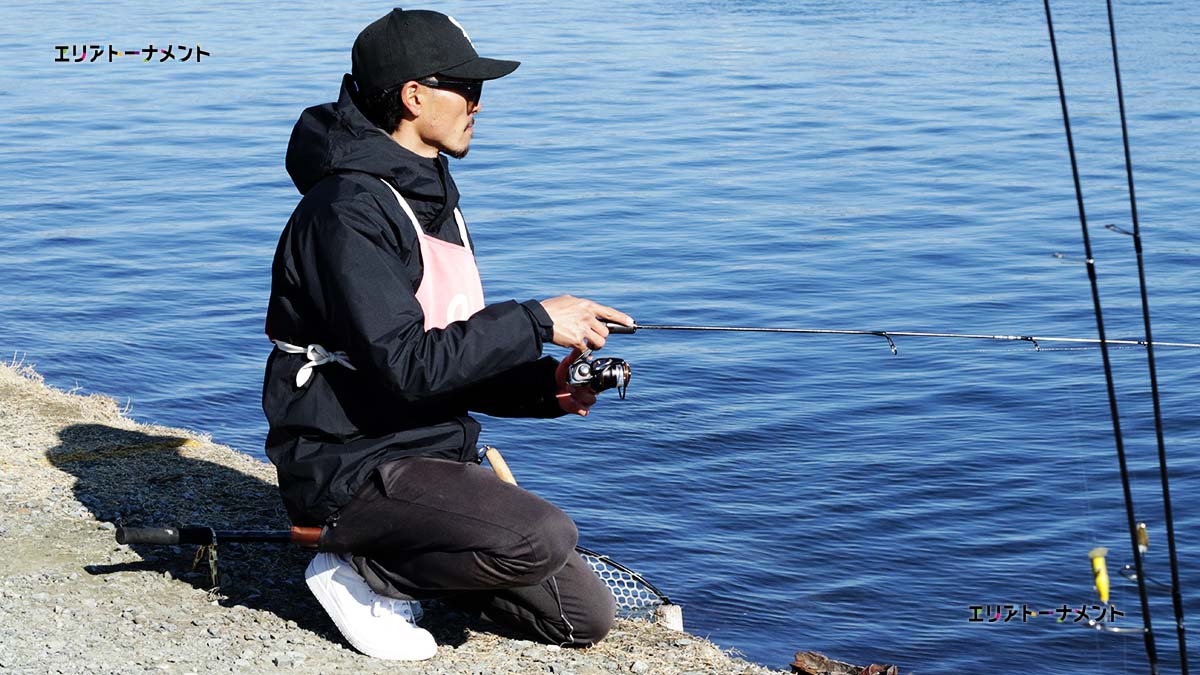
{"points": [[431, 528]]}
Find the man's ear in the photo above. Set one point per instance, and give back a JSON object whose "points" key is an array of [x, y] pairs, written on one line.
{"points": [[412, 98]]}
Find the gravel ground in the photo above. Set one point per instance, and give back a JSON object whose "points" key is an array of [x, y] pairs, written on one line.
{"points": [[74, 601]]}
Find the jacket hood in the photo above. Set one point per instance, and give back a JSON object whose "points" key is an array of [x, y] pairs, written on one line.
{"points": [[336, 137]]}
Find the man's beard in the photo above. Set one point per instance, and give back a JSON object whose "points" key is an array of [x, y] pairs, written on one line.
{"points": [[457, 154]]}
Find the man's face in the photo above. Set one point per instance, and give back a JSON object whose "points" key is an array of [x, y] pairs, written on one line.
{"points": [[450, 117]]}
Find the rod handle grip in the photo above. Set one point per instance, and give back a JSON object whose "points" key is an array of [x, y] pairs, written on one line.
{"points": [[618, 329], [308, 537], [165, 536], [499, 465]]}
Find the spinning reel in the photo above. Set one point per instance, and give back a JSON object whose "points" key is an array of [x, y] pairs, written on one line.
{"points": [[599, 374]]}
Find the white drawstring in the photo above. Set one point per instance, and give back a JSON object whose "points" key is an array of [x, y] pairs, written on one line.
{"points": [[562, 614], [317, 356]]}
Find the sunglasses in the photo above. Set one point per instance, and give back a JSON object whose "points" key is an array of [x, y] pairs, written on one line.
{"points": [[470, 89]]}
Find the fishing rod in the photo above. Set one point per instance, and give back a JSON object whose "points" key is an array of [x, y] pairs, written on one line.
{"points": [[1143, 541], [635, 597], [616, 328], [1147, 634], [1135, 530]]}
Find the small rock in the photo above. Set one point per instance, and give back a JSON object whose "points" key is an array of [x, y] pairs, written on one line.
{"points": [[105, 525], [684, 642], [639, 667], [288, 659]]}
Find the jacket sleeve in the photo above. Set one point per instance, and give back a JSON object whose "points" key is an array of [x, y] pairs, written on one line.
{"points": [[525, 391], [362, 286]]}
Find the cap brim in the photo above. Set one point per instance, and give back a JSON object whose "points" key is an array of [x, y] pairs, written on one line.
{"points": [[481, 69]]}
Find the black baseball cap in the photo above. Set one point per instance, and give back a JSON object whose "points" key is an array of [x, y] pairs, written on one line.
{"points": [[408, 45]]}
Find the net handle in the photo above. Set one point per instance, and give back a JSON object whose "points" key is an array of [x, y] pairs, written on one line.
{"points": [[499, 465], [501, 468]]}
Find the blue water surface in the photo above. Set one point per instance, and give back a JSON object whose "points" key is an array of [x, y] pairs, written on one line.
{"points": [[871, 164]]}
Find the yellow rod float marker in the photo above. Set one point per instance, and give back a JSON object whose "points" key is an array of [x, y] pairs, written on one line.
{"points": [[1100, 571]]}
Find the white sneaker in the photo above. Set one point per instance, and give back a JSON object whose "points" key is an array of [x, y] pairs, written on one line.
{"points": [[377, 626]]}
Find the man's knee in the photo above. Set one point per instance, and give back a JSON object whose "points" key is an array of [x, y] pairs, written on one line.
{"points": [[593, 623], [551, 541], [543, 545], [586, 603]]}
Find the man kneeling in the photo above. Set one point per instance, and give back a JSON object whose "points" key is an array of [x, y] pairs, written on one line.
{"points": [[384, 347]]}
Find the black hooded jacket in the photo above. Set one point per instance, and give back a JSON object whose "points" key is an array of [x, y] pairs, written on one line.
{"points": [[345, 277]]}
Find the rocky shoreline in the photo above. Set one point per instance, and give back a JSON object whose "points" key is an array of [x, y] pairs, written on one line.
{"points": [[74, 601]]}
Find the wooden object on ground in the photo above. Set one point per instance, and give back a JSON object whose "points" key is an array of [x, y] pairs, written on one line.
{"points": [[812, 663], [670, 616]]}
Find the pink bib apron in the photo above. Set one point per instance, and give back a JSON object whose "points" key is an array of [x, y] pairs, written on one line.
{"points": [[450, 290]]}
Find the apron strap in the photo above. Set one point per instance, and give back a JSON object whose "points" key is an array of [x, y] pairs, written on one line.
{"points": [[317, 356], [412, 218], [462, 229]]}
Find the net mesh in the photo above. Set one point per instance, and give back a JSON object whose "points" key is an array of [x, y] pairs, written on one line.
{"points": [[636, 598]]}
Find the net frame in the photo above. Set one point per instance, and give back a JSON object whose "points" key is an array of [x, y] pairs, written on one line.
{"points": [[635, 597]]}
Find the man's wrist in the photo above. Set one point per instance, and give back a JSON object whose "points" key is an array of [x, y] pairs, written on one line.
{"points": [[541, 319]]}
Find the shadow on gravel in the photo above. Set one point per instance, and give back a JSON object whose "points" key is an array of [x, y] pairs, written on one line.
{"points": [[129, 478]]}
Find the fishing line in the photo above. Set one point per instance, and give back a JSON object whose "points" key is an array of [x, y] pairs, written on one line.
{"points": [[1081, 470], [1176, 598], [1148, 635]]}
